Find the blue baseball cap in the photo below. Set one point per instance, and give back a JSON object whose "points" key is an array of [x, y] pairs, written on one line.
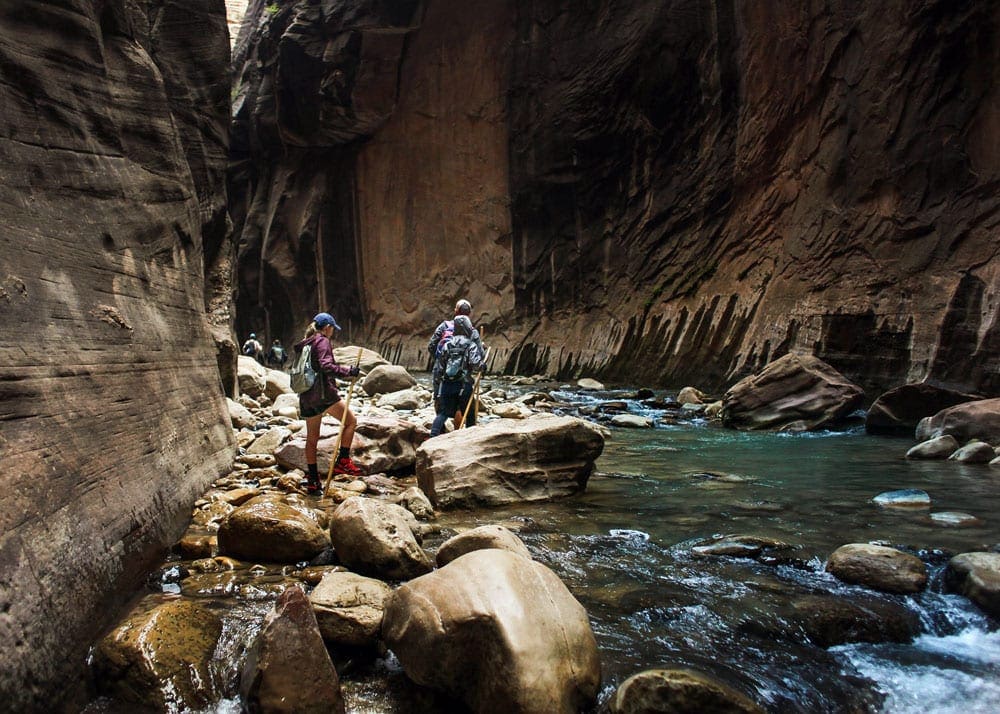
{"points": [[323, 319]]}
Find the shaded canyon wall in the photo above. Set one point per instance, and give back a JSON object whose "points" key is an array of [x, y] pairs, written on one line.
{"points": [[664, 192], [115, 268]]}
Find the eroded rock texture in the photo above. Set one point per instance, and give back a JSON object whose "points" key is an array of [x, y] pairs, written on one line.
{"points": [[673, 192], [113, 123]]}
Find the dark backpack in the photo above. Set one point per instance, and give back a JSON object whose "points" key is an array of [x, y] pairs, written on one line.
{"points": [[302, 374], [249, 348], [454, 359], [449, 330]]}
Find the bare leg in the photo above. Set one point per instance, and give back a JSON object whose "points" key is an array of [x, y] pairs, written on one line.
{"points": [[348, 422], [312, 437]]}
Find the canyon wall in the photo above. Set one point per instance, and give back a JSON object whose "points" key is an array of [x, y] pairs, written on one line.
{"points": [[649, 192], [113, 133]]}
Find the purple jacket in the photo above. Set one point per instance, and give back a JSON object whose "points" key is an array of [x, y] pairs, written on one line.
{"points": [[324, 390]]}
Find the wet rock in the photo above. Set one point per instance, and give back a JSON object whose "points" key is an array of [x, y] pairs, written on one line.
{"points": [[972, 420], [632, 421], [507, 461], [955, 518], [236, 496], [741, 546], [286, 405], [378, 539], [498, 631], [714, 410], [240, 416], [270, 440], [977, 577], [690, 395], [903, 498], [590, 385], [878, 567], [211, 515], [978, 452], [679, 690], [161, 656], [940, 447], [795, 389], [349, 608], [196, 543], [692, 410], [481, 538], [288, 668], [387, 378], [257, 460], [416, 502], [272, 530], [759, 506], [645, 393], [898, 411]]}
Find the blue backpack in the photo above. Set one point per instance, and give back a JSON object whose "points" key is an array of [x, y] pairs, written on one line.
{"points": [[454, 359]]}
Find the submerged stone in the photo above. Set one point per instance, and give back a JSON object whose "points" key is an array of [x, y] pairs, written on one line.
{"points": [[904, 498], [955, 518]]}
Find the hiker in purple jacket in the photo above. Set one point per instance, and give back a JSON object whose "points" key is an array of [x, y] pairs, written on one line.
{"points": [[323, 398]]}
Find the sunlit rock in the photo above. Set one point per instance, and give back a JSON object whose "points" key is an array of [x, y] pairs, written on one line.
{"points": [[509, 460], [378, 539], [481, 538], [588, 384], [407, 399], [878, 567], [978, 452], [498, 631], [349, 608], [416, 502], [679, 690], [273, 530], [349, 355], [387, 378], [972, 420], [940, 447], [269, 441], [161, 656], [240, 415], [288, 668], [955, 518], [632, 421], [977, 576], [251, 376], [690, 395]]}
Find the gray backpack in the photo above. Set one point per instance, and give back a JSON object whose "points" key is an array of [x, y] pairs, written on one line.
{"points": [[302, 374], [454, 359]]}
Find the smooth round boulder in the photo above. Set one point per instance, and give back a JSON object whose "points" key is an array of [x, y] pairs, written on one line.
{"points": [[940, 447], [387, 378], [898, 411], [690, 395], [349, 608], [977, 577], [677, 691], [251, 376], [878, 567], [979, 419], [404, 399], [378, 539], [977, 452], [480, 538], [498, 631], [632, 421], [272, 530], [590, 385], [239, 415]]}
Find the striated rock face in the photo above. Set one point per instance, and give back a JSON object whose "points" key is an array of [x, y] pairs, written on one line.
{"points": [[666, 192], [113, 123]]}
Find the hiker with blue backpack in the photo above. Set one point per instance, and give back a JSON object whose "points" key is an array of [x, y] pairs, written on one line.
{"points": [[441, 334], [314, 377], [459, 359]]}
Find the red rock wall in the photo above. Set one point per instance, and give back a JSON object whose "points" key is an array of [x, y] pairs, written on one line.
{"points": [[660, 192], [112, 143]]}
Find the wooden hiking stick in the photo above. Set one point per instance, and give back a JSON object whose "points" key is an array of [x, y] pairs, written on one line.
{"points": [[340, 434], [475, 390]]}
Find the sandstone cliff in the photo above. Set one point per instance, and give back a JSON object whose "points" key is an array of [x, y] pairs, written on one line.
{"points": [[665, 192], [113, 133]]}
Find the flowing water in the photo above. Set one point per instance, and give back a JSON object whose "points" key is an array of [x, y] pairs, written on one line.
{"points": [[624, 548]]}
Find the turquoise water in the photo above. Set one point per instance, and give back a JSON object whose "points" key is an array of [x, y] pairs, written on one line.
{"points": [[624, 549]]}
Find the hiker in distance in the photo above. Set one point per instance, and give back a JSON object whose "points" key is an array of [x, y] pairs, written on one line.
{"points": [[323, 398], [276, 356], [443, 331], [461, 356], [253, 348]]}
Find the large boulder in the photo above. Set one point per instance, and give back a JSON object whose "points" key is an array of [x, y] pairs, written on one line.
{"points": [[480, 538], [387, 378], [972, 420], [898, 411], [679, 690], [508, 461], [288, 668], [369, 359], [977, 576], [239, 415], [878, 567], [940, 447], [381, 444], [273, 530], [277, 383], [349, 608], [378, 539], [161, 656], [251, 376], [498, 631], [797, 391]]}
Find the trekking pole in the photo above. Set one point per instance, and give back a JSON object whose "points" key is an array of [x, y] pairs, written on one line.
{"points": [[340, 434], [475, 390]]}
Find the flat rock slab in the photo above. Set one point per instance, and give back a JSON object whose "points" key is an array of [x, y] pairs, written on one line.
{"points": [[509, 461]]}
